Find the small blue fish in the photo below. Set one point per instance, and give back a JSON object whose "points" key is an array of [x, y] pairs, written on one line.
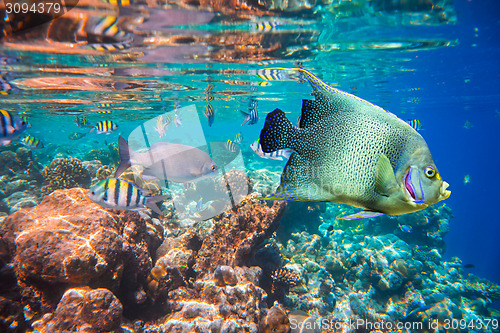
{"points": [[419, 310], [209, 113], [32, 142], [406, 228], [10, 127], [251, 117], [466, 179], [468, 124], [415, 124]]}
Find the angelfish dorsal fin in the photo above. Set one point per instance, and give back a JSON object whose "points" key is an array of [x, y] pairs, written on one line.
{"points": [[384, 175], [312, 112]]}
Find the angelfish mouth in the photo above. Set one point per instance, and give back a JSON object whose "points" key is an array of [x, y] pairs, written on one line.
{"points": [[443, 192], [413, 185]]}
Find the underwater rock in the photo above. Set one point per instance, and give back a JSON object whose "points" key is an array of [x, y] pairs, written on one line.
{"points": [[224, 275], [92, 167], [63, 173], [20, 163], [20, 200], [237, 234], [276, 320], [12, 312], [208, 306], [69, 240], [8, 163], [83, 310]]}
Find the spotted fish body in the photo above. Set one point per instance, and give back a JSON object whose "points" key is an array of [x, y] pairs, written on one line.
{"points": [[350, 151]]}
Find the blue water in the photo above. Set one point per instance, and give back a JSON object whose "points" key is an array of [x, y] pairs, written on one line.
{"points": [[453, 81]]}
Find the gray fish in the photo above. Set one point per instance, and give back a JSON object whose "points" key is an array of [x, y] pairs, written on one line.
{"points": [[350, 151], [171, 161]]}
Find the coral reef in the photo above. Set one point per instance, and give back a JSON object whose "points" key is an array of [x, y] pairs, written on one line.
{"points": [[380, 278], [63, 173], [235, 236], [107, 156], [70, 241], [70, 256], [83, 310], [20, 180], [67, 264], [236, 184], [264, 181], [134, 175]]}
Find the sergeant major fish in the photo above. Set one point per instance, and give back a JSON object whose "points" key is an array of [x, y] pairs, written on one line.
{"points": [[10, 127], [350, 151], [105, 126], [171, 161], [120, 194], [252, 117], [32, 142], [278, 155]]}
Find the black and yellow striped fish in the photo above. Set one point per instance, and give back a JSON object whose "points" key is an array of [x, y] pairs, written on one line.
{"points": [[415, 124], [272, 74], [265, 26], [112, 37], [32, 142], [116, 193], [82, 121], [208, 92], [231, 146], [10, 127], [210, 114], [105, 126]]}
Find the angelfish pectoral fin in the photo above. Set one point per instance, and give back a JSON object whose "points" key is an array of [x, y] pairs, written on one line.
{"points": [[364, 214], [385, 178]]}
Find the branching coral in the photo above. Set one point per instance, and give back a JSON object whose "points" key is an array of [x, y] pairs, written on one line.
{"points": [[285, 278], [64, 173]]}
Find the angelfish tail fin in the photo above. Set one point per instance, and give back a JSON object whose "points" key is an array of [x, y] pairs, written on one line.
{"points": [[150, 202], [124, 152], [277, 132]]}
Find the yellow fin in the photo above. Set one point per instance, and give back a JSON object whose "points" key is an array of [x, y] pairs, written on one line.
{"points": [[384, 174]]}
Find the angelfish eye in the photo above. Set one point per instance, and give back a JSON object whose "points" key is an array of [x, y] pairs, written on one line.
{"points": [[213, 167], [429, 171]]}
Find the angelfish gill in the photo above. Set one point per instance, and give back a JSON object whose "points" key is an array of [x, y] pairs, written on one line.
{"points": [[347, 150]]}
